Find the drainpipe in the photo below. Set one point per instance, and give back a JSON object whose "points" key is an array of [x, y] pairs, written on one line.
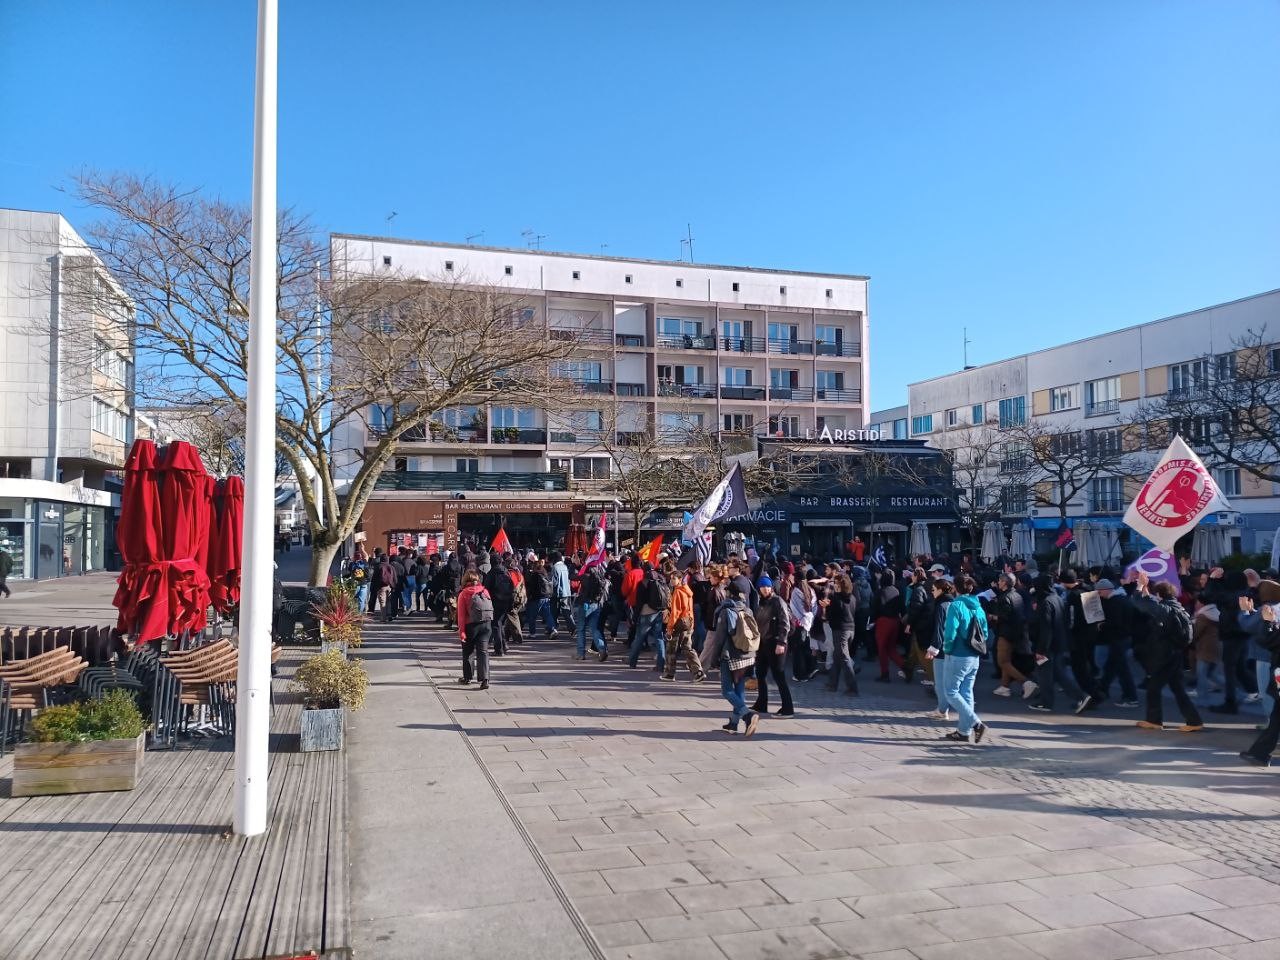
{"points": [[55, 372]]}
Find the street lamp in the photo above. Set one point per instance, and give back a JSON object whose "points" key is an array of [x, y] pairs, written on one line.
{"points": [[253, 674]]}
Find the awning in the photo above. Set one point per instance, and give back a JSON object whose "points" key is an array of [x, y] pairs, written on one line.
{"points": [[883, 528], [825, 522]]}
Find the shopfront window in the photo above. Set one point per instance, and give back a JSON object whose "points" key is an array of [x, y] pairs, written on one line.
{"points": [[49, 540], [73, 540], [15, 538]]}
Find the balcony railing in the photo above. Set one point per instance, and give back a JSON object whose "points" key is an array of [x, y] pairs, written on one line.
{"points": [[1100, 408], [582, 335], [461, 480], [632, 389], [632, 438], [698, 391], [742, 393], [791, 347], [675, 341], [743, 344], [790, 393], [1187, 391], [435, 433], [1014, 464], [575, 436], [839, 394], [517, 435], [595, 386], [1108, 504], [843, 349], [629, 339]]}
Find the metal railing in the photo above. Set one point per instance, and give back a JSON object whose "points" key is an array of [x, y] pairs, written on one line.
{"points": [[839, 394], [434, 433], [846, 348], [743, 344], [462, 480], [791, 347], [517, 435], [790, 393], [581, 335], [699, 391], [595, 386], [632, 389], [629, 339], [676, 341], [1108, 504], [1100, 408], [742, 393]]}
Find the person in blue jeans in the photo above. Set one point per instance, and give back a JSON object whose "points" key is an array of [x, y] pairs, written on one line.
{"points": [[960, 666], [538, 606], [649, 622], [589, 603], [734, 664]]}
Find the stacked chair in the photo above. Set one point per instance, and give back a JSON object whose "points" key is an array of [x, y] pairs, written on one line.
{"points": [[28, 684]]}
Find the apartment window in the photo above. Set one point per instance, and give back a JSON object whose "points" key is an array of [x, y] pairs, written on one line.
{"points": [[784, 426], [679, 283], [953, 417], [900, 429], [1228, 480], [737, 376], [522, 418], [1106, 443], [591, 468], [402, 464], [682, 374], [736, 286], [979, 415], [386, 261], [679, 327], [509, 270], [467, 465], [783, 379], [828, 336], [1107, 495], [828, 293], [108, 361], [588, 420], [922, 424], [1273, 356], [783, 291], [783, 335], [458, 418], [1013, 499], [739, 422], [582, 371], [979, 498], [1066, 444], [627, 278], [1015, 457], [1224, 366], [1102, 396], [1013, 412], [1188, 378], [109, 421], [1063, 398], [558, 464], [577, 274], [448, 265], [679, 422], [838, 422], [1194, 430]]}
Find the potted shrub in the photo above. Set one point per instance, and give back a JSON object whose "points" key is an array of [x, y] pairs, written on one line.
{"points": [[340, 619], [82, 748], [512, 434], [330, 684]]}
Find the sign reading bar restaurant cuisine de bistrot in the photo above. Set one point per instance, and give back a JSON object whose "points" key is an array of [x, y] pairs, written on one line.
{"points": [[1179, 492]]}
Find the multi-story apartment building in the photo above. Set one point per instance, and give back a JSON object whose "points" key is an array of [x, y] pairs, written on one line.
{"points": [[665, 345], [1100, 392], [66, 397]]}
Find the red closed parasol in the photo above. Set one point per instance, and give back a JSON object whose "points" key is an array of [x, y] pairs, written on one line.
{"points": [[227, 544], [137, 534]]}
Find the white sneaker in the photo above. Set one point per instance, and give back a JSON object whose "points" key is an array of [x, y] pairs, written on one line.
{"points": [[1002, 691], [1251, 698], [1080, 707], [943, 715], [1029, 688]]}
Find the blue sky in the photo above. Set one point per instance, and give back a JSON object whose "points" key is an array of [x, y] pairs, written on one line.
{"points": [[1036, 171]]}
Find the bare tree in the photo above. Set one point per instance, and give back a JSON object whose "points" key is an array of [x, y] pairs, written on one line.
{"points": [[980, 470], [1062, 462], [386, 350]]}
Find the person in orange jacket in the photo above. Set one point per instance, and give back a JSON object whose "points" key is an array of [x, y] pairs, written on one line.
{"points": [[679, 623]]}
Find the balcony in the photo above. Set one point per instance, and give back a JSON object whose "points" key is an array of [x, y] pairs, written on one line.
{"points": [[518, 435], [629, 339], [795, 348], [1108, 504], [790, 393], [824, 349], [702, 341], [1014, 464], [743, 344], [742, 393], [595, 386], [632, 438], [698, 391], [575, 436], [839, 394], [434, 433], [632, 389], [461, 480], [599, 338], [1101, 408]]}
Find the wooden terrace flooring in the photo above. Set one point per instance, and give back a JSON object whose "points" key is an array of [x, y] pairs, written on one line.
{"points": [[155, 872]]}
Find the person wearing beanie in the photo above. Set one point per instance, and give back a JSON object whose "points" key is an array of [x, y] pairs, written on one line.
{"points": [[775, 623]]}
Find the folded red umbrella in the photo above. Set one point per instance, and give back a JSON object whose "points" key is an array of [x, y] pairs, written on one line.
{"points": [[226, 544], [184, 523], [138, 536]]}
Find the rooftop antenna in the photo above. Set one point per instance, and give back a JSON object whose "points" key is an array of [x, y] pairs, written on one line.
{"points": [[688, 229], [967, 341], [533, 240], [390, 216], [603, 248], [474, 236]]}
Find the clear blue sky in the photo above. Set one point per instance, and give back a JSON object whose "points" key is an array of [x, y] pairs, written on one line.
{"points": [[1033, 170]]}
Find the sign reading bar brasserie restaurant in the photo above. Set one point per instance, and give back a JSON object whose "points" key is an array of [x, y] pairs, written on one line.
{"points": [[840, 506]]}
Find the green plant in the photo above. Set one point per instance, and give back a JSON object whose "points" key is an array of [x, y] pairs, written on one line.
{"points": [[329, 679], [114, 716], [340, 615], [1245, 561]]}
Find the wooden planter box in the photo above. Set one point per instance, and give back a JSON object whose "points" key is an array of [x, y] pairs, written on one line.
{"points": [[43, 769], [321, 729]]}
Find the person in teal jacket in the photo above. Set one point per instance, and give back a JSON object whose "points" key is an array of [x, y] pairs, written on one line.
{"points": [[960, 666]]}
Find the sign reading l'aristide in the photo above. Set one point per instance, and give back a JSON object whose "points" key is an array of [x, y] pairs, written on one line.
{"points": [[841, 435]]}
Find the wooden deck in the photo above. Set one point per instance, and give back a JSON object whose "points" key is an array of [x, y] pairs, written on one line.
{"points": [[155, 873]]}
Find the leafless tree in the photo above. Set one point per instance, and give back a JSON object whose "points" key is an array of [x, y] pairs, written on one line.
{"points": [[980, 471], [1061, 462], [386, 350]]}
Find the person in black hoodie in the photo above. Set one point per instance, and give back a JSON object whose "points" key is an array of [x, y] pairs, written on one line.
{"points": [[1226, 590], [1082, 637], [1265, 745], [1053, 646], [919, 622], [887, 608], [502, 591], [1165, 653], [1116, 635]]}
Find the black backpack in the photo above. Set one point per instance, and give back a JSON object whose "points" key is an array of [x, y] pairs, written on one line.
{"points": [[977, 638], [1176, 626], [594, 586], [658, 596]]}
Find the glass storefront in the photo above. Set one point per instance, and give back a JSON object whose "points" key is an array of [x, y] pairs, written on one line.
{"points": [[49, 539]]}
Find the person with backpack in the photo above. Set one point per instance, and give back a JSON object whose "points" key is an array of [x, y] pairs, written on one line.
{"points": [[1052, 648], [965, 636], [679, 624], [1164, 652], [731, 646], [388, 582], [593, 591], [537, 582], [918, 624], [475, 627], [513, 628], [653, 597], [502, 592], [887, 610], [774, 620]]}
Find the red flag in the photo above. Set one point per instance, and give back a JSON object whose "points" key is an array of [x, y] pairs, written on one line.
{"points": [[597, 554], [501, 543], [651, 550]]}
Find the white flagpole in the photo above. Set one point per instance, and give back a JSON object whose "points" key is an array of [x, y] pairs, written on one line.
{"points": [[253, 681]]}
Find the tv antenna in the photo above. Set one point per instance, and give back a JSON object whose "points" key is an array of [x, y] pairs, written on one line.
{"points": [[687, 241], [967, 341], [390, 216], [603, 248], [533, 240], [474, 236]]}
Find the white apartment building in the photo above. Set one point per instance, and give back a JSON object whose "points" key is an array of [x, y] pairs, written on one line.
{"points": [[66, 397], [736, 349], [1092, 386]]}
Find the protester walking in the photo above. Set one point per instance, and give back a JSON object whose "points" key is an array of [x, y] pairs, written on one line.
{"points": [[841, 609], [804, 606], [475, 627], [653, 598], [774, 620], [1168, 638], [1116, 637], [887, 610], [679, 624], [964, 642], [731, 647], [1262, 749], [588, 605], [1052, 647], [944, 593], [1010, 629]]}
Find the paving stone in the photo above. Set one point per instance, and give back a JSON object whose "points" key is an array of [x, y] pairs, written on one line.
{"points": [[825, 886], [705, 924], [897, 904], [761, 866], [587, 884], [673, 875], [1083, 943], [1265, 950], [593, 860], [781, 843], [882, 933], [700, 948], [795, 914], [832, 861], [624, 934], [627, 839], [743, 894], [1170, 934], [1060, 862], [903, 879], [985, 847], [996, 869], [1260, 922], [976, 923], [1237, 891], [1080, 910], [981, 894], [617, 907], [1073, 884], [651, 853], [1149, 854], [785, 942], [992, 948], [1160, 901], [1154, 876]]}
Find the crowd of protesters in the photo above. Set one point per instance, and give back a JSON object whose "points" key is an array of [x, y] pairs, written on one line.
{"points": [[762, 623]]}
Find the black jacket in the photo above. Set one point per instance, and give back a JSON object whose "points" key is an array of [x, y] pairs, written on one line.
{"points": [[774, 620], [920, 613], [1011, 621], [501, 590], [1052, 637], [841, 613]]}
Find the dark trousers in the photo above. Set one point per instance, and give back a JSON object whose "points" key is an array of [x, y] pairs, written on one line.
{"points": [[4, 588], [1233, 669], [1083, 667], [1169, 674], [477, 645], [499, 629], [841, 667], [803, 663], [1117, 668], [1265, 745], [1053, 672], [769, 663]]}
